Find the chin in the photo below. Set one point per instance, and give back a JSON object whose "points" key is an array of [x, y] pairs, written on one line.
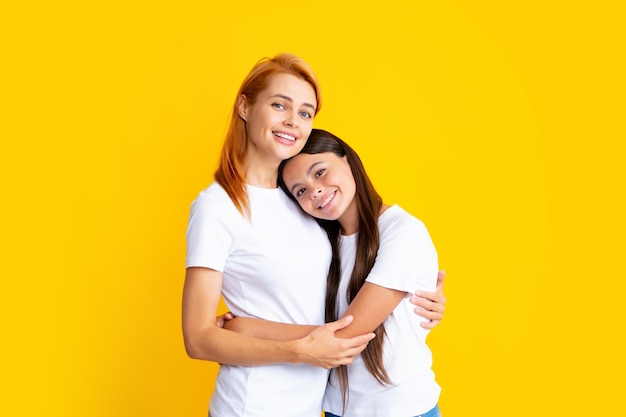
{"points": [[326, 217], [287, 155]]}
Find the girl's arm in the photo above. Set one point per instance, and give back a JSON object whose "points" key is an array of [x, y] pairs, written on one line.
{"points": [[396, 270], [205, 339], [371, 306], [430, 305]]}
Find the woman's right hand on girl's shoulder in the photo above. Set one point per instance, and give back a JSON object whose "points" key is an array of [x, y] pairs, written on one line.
{"points": [[323, 349]]}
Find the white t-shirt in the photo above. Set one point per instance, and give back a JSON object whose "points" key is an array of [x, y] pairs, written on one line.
{"points": [[406, 261], [274, 268]]}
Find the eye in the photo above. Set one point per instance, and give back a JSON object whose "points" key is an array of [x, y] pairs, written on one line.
{"points": [[306, 115], [319, 172], [299, 192], [278, 106]]}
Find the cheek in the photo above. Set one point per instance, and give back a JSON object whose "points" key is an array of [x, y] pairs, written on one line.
{"points": [[307, 206], [347, 184], [337, 178], [298, 147], [305, 132]]}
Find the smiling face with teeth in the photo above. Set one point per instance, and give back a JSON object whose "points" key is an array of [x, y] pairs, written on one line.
{"points": [[324, 186], [279, 121]]}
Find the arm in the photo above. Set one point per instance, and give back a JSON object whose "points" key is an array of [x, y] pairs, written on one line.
{"points": [[431, 305], [205, 339], [371, 306], [396, 272], [269, 330]]}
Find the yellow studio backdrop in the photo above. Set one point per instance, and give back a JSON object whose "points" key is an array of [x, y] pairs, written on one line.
{"points": [[499, 124]]}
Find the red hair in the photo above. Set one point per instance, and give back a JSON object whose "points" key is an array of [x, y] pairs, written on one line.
{"points": [[230, 173]]}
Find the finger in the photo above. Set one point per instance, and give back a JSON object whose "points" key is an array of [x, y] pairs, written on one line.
{"points": [[428, 314], [427, 304], [435, 297], [339, 324], [354, 351], [430, 324], [440, 277], [343, 361], [359, 341]]}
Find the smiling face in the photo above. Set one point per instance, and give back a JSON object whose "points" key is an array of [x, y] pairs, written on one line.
{"points": [[280, 119], [324, 187]]}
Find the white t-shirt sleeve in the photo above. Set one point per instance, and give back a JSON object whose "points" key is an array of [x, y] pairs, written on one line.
{"points": [[209, 241], [407, 259]]}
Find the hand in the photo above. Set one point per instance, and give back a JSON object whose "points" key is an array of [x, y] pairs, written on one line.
{"points": [[431, 305], [220, 321], [322, 349]]}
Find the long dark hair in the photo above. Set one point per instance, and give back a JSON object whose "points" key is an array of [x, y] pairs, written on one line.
{"points": [[369, 203]]}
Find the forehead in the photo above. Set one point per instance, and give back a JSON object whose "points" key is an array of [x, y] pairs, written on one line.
{"points": [[299, 165], [299, 90]]}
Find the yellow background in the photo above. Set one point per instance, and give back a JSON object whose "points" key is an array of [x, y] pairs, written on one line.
{"points": [[499, 124]]}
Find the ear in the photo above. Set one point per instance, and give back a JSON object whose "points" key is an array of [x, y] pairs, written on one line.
{"points": [[242, 106]]}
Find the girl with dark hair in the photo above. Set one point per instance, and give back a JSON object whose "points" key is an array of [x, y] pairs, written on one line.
{"points": [[381, 255]]}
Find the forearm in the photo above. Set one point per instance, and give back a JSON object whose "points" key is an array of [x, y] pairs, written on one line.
{"points": [[318, 348], [268, 330], [227, 347], [371, 306]]}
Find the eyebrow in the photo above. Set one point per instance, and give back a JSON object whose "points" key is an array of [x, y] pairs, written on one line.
{"points": [[289, 99], [308, 172]]}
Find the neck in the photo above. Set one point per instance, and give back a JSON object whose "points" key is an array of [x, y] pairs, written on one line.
{"points": [[262, 181], [349, 221], [262, 175]]}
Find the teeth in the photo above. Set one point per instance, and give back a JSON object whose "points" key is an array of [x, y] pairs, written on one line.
{"points": [[330, 197], [285, 136]]}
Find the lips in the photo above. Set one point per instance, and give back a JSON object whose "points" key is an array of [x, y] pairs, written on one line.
{"points": [[284, 135], [327, 201]]}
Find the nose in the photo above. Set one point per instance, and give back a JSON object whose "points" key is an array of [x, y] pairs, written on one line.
{"points": [[291, 119], [317, 191]]}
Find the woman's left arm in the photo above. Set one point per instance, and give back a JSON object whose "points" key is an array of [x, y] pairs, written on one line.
{"points": [[430, 305]]}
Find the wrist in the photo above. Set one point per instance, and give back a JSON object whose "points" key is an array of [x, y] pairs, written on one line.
{"points": [[295, 351]]}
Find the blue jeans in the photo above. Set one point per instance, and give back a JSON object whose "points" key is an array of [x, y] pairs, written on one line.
{"points": [[432, 413]]}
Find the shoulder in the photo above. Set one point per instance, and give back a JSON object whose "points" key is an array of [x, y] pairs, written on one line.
{"points": [[213, 202], [213, 192], [397, 220], [402, 232], [213, 195]]}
